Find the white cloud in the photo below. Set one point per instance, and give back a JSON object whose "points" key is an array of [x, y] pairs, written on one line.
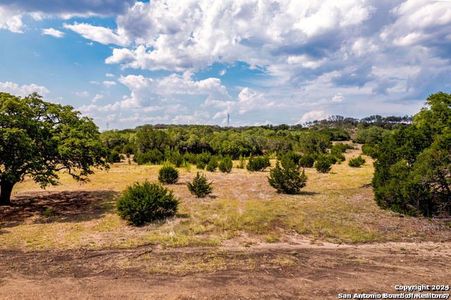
{"points": [[337, 98], [109, 83], [22, 90], [11, 20], [97, 97], [53, 32], [98, 34], [313, 115]]}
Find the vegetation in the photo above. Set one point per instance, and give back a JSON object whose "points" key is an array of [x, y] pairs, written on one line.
{"points": [[226, 164], [286, 178], [323, 164], [413, 166], [200, 187], [168, 174], [146, 202], [258, 163], [212, 164], [39, 138], [356, 162], [307, 161]]}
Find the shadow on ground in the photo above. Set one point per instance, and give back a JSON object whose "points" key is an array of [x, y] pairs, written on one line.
{"points": [[65, 206]]}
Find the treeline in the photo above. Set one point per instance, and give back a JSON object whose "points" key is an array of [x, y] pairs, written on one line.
{"points": [[155, 144]]}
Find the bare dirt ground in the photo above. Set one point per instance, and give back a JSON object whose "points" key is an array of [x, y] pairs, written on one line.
{"points": [[266, 271]]}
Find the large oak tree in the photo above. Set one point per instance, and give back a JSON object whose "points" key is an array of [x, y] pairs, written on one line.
{"points": [[38, 139]]}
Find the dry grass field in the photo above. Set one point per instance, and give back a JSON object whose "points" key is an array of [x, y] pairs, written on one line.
{"points": [[285, 243]]}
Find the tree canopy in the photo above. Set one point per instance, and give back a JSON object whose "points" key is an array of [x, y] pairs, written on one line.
{"points": [[38, 139]]}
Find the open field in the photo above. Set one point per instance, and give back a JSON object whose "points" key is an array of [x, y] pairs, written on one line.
{"points": [[245, 241]]}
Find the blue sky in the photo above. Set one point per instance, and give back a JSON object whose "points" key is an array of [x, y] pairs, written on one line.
{"points": [[126, 63]]}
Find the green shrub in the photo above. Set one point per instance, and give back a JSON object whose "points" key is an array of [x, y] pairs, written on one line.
{"points": [[290, 155], [174, 157], [226, 165], [307, 161], [258, 163], [286, 178], [200, 187], [153, 156], [212, 164], [168, 174], [369, 150], [323, 164], [146, 202], [201, 165], [356, 162], [114, 157]]}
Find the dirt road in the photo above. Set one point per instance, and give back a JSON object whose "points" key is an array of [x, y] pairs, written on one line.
{"points": [[270, 271]]}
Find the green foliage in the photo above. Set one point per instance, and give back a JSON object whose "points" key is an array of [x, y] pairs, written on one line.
{"points": [[226, 165], [323, 164], [153, 156], [412, 169], [258, 163], [200, 187], [286, 178], [114, 157], [146, 202], [371, 135], [356, 162], [369, 150], [212, 164], [174, 157], [292, 156], [200, 165], [307, 161], [168, 174], [39, 138]]}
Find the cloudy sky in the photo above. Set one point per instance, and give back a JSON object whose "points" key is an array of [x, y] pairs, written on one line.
{"points": [[126, 63]]}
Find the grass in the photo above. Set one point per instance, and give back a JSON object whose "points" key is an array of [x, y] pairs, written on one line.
{"points": [[337, 207]]}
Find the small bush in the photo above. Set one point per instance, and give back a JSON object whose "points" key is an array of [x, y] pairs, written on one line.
{"points": [[168, 175], [174, 157], [356, 162], [212, 165], [258, 163], [369, 150], [200, 187], [114, 157], [146, 202], [323, 164], [286, 178], [201, 165], [226, 165], [307, 161], [291, 155]]}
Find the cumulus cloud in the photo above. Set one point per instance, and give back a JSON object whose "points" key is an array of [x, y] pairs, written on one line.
{"points": [[10, 20], [22, 90], [313, 115], [53, 32]]}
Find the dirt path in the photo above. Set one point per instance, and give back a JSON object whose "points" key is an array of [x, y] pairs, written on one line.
{"points": [[271, 271]]}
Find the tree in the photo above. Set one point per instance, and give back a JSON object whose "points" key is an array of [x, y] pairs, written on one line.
{"points": [[412, 169], [38, 139], [286, 178]]}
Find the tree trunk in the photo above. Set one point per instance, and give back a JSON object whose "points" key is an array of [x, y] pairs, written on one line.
{"points": [[5, 192]]}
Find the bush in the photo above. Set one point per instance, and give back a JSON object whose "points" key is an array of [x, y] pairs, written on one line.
{"points": [[201, 165], [258, 163], [174, 157], [114, 157], [153, 156], [146, 202], [286, 178], [291, 155], [307, 161], [226, 165], [369, 150], [356, 162], [168, 175], [200, 187], [323, 164], [212, 165]]}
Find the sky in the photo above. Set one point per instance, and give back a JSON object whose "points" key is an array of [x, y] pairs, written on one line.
{"points": [[128, 63]]}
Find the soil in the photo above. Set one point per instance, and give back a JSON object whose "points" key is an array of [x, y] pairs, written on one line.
{"points": [[302, 270]]}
